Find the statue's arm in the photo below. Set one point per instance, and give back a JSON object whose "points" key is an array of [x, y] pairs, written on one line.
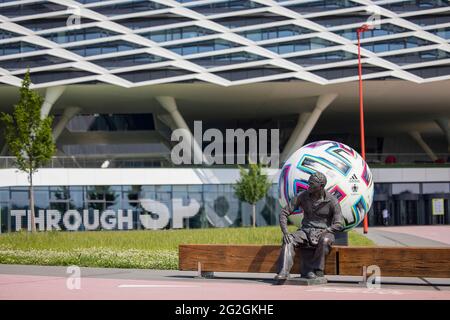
{"points": [[337, 223], [285, 212]]}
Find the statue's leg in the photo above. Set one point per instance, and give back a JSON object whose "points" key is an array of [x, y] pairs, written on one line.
{"points": [[322, 250], [287, 255], [285, 261]]}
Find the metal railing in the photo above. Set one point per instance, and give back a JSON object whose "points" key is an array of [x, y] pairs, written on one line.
{"points": [[92, 162], [103, 161]]}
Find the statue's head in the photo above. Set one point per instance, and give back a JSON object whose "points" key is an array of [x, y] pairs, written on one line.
{"points": [[317, 181]]}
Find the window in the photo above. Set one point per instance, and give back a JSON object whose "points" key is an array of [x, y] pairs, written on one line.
{"points": [[177, 33], [275, 32], [226, 6], [203, 46], [104, 48], [398, 188], [128, 7], [79, 35]]}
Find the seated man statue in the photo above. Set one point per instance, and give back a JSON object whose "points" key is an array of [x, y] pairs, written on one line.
{"points": [[322, 217]]}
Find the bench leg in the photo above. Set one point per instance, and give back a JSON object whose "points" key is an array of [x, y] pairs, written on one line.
{"points": [[203, 274], [206, 275]]}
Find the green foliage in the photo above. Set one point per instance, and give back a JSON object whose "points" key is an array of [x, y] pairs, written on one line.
{"points": [[29, 138], [252, 185], [146, 249]]}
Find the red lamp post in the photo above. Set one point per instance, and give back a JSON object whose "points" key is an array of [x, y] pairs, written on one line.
{"points": [[360, 30]]}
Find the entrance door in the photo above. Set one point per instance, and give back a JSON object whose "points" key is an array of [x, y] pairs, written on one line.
{"points": [[378, 207], [411, 212], [406, 207]]}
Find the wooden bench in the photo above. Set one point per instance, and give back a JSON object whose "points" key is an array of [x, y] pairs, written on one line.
{"points": [[348, 261]]}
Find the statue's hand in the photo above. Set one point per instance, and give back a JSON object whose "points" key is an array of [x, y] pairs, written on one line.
{"points": [[288, 238]]}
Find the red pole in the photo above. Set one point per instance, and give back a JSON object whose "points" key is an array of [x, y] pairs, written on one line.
{"points": [[361, 110]]}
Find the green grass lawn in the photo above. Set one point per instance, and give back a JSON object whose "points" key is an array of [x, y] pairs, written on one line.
{"points": [[129, 249]]}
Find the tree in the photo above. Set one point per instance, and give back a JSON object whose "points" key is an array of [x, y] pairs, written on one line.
{"points": [[252, 186], [28, 136]]}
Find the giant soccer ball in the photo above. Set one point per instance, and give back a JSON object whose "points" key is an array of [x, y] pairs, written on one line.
{"points": [[348, 178]]}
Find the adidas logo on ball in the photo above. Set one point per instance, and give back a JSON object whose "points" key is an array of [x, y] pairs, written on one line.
{"points": [[354, 179]]}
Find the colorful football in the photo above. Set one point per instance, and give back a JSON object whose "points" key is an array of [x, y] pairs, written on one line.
{"points": [[348, 178]]}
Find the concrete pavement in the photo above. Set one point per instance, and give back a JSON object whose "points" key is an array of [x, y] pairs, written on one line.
{"points": [[409, 236], [41, 282]]}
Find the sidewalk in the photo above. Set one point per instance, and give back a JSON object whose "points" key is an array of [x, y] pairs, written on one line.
{"points": [[43, 282], [409, 236]]}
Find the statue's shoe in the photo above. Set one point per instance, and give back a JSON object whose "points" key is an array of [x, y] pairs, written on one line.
{"points": [[311, 275], [319, 273], [282, 276]]}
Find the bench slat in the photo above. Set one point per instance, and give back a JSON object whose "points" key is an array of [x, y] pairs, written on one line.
{"points": [[396, 262]]}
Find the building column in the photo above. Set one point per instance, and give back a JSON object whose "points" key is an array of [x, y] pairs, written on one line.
{"points": [[443, 124], [418, 137], [52, 94], [305, 124], [67, 115], [292, 139], [170, 105]]}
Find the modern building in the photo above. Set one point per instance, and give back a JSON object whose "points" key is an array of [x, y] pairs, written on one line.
{"points": [[119, 76]]}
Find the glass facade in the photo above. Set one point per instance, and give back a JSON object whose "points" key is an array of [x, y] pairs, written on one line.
{"points": [[383, 30], [432, 72], [318, 6], [79, 35], [120, 35], [52, 22], [31, 62], [395, 44], [202, 46], [226, 59], [322, 58], [431, 19], [442, 32], [111, 122], [275, 32], [248, 73], [128, 61], [299, 45], [417, 57], [104, 48], [5, 34], [208, 205], [202, 206], [410, 203], [31, 9], [56, 75], [151, 21], [18, 47], [226, 6], [343, 19], [415, 5], [128, 7], [248, 20], [177, 33], [344, 72], [152, 74]]}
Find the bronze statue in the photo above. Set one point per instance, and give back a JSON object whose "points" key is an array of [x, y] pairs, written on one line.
{"points": [[322, 218]]}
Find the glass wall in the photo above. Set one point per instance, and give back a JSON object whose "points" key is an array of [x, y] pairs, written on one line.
{"points": [[411, 203], [134, 207]]}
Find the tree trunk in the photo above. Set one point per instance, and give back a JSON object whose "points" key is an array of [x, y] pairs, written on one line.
{"points": [[254, 215], [32, 220]]}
